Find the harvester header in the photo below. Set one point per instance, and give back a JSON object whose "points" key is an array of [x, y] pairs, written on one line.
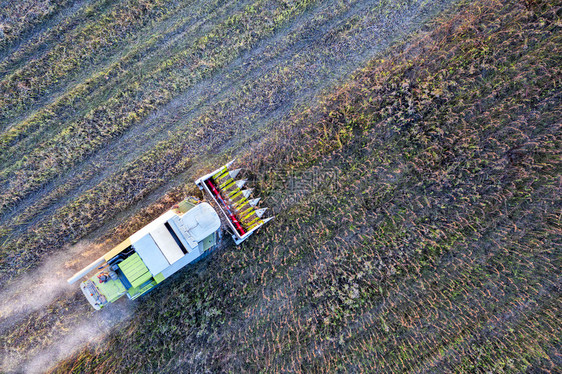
{"points": [[240, 211]]}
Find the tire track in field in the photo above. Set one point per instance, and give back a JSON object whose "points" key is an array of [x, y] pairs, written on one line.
{"points": [[9, 63]]}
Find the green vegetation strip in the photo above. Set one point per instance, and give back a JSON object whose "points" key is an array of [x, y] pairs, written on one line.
{"points": [[20, 17], [81, 48], [133, 62]]}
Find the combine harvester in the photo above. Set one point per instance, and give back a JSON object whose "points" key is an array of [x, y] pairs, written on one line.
{"points": [[181, 236]]}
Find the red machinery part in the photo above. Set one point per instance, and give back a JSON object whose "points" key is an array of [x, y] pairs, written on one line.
{"points": [[232, 217]]}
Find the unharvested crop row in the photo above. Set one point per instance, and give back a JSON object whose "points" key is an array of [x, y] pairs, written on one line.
{"points": [[495, 198], [351, 269]]}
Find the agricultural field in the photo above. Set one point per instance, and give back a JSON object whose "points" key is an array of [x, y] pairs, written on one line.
{"points": [[410, 151]]}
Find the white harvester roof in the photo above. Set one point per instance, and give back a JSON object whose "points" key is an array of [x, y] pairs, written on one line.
{"points": [[159, 249], [201, 221]]}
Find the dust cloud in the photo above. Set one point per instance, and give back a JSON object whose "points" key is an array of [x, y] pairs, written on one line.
{"points": [[91, 330], [44, 320], [43, 285]]}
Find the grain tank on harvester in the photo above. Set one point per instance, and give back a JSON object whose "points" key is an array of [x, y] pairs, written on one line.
{"points": [[181, 236]]}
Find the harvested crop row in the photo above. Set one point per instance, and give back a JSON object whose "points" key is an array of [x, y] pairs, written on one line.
{"points": [[21, 17], [157, 41], [87, 135], [82, 47]]}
